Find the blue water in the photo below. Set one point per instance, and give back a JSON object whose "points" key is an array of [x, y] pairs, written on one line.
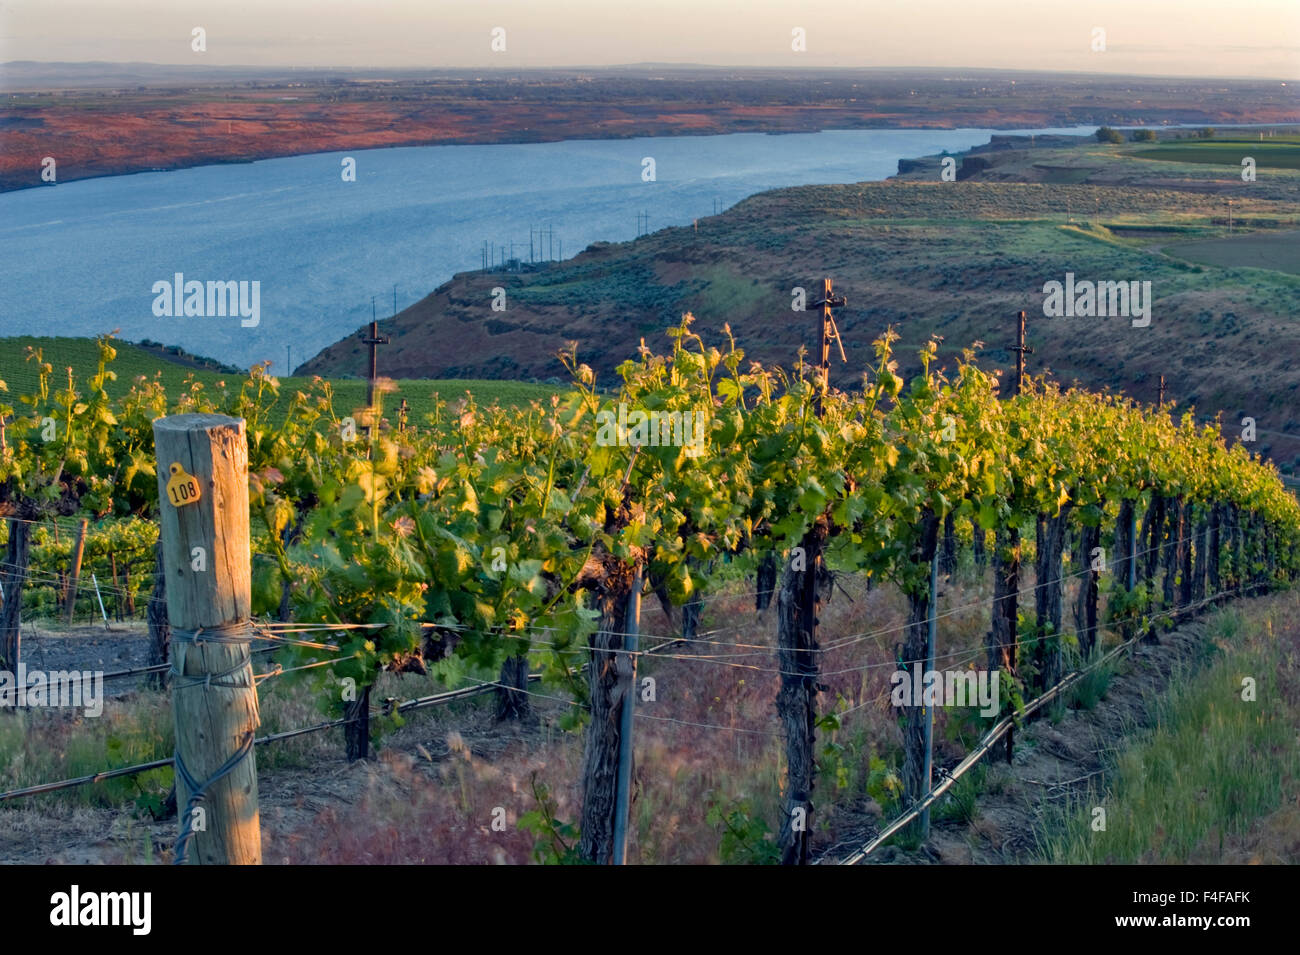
{"points": [[82, 258]]}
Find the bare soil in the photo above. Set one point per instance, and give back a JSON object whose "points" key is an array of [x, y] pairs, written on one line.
{"points": [[121, 646]]}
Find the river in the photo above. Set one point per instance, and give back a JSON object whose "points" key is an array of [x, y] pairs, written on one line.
{"points": [[84, 257]]}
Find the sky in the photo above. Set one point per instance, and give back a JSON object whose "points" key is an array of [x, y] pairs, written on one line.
{"points": [[1247, 38]]}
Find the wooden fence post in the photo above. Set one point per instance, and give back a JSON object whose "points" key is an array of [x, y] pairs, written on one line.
{"points": [[74, 572], [13, 575], [1003, 649], [798, 602], [927, 769], [1213, 571], [1085, 605], [627, 673], [600, 748], [117, 596], [203, 519], [160, 634]]}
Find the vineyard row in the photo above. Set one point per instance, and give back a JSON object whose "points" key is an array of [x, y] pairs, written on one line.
{"points": [[474, 531]]}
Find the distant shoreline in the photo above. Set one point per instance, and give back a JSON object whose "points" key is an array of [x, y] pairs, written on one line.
{"points": [[131, 170], [93, 133]]}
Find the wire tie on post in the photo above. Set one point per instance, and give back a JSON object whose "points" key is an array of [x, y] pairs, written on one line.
{"points": [[199, 792]]}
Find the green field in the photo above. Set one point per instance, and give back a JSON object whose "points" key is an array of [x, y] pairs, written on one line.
{"points": [[1276, 153], [1249, 138], [1256, 250], [81, 355]]}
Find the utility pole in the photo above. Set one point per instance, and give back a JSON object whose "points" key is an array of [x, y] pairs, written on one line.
{"points": [[288, 360], [797, 643], [829, 332], [1229, 217], [1160, 401], [373, 340], [1021, 350]]}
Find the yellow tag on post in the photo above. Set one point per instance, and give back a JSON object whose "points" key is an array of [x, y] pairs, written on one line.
{"points": [[182, 488]]}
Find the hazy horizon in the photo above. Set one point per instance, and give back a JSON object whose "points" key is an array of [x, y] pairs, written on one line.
{"points": [[564, 67], [1162, 38]]}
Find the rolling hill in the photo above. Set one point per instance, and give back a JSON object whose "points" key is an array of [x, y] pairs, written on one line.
{"points": [[928, 257]]}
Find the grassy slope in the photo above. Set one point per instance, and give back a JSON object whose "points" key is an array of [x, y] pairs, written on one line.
{"points": [[133, 361], [1215, 779]]}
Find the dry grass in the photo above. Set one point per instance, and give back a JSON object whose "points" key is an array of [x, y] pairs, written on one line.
{"points": [[1215, 777], [710, 740]]}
